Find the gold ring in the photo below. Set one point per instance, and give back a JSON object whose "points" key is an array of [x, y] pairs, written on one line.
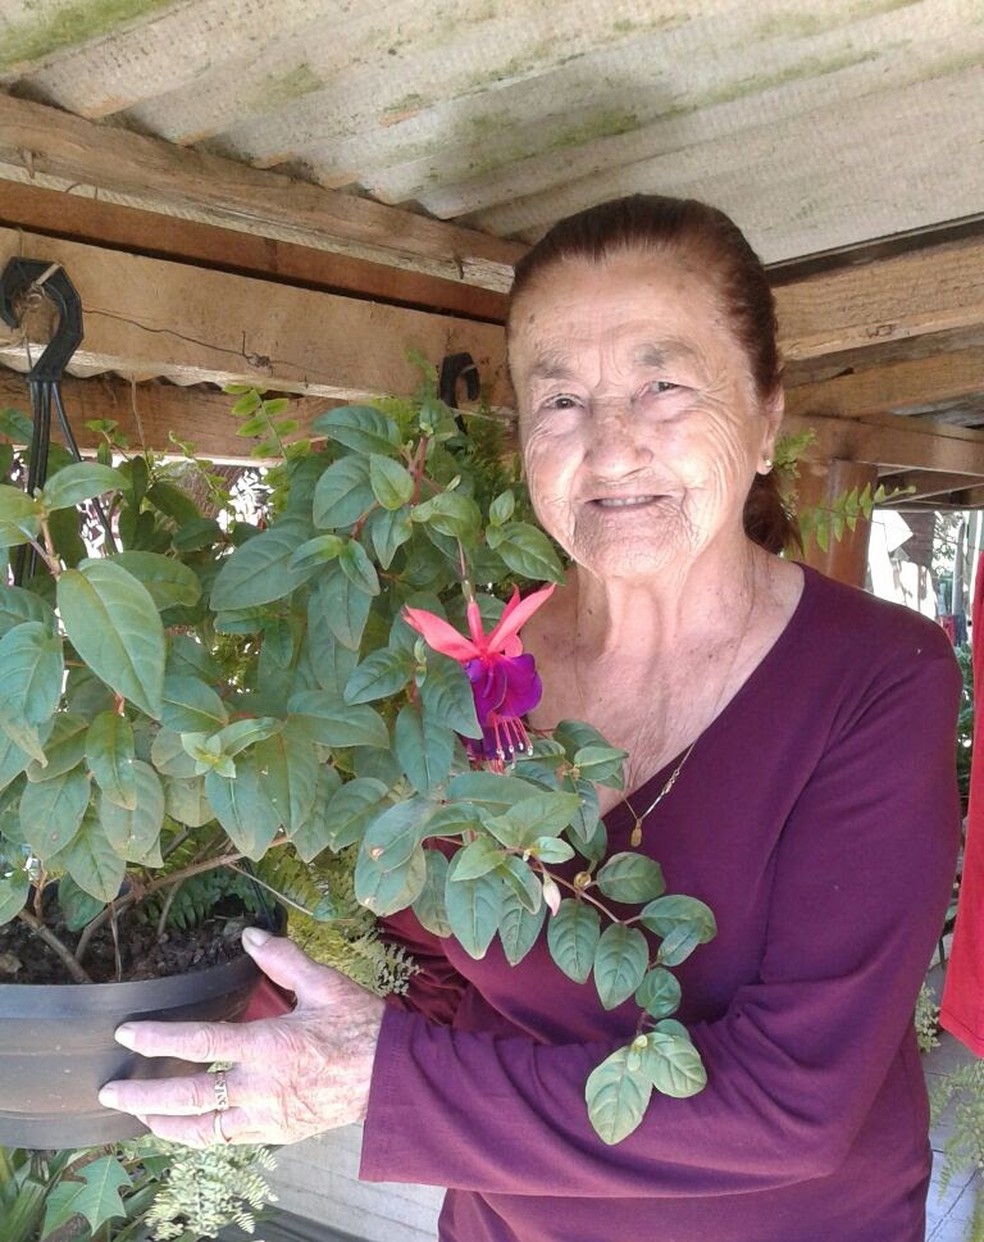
{"points": [[218, 1133], [221, 1089]]}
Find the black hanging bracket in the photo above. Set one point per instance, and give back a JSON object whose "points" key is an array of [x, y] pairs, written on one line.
{"points": [[22, 276], [454, 368]]}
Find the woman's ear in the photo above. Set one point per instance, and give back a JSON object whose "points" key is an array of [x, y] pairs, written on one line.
{"points": [[772, 412]]}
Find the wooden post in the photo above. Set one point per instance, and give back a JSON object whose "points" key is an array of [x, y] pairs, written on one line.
{"points": [[820, 483]]}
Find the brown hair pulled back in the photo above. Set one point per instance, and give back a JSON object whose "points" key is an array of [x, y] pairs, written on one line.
{"points": [[713, 245]]}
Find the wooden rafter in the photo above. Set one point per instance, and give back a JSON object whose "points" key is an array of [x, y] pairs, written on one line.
{"points": [[56, 150], [151, 317]]}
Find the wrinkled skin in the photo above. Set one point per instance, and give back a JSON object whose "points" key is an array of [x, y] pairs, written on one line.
{"points": [[291, 1077], [641, 426]]}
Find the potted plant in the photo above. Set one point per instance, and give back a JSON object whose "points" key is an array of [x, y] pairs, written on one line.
{"points": [[201, 712]]}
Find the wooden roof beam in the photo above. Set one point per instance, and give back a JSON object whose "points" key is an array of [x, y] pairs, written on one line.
{"points": [[152, 317], [893, 443], [55, 150]]}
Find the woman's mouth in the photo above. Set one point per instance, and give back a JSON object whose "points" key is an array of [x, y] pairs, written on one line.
{"points": [[625, 502]]}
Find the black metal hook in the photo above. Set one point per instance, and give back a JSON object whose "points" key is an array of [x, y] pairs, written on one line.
{"points": [[18, 277], [455, 367]]}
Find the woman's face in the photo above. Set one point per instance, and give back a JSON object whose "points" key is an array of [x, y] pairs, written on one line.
{"points": [[640, 423]]}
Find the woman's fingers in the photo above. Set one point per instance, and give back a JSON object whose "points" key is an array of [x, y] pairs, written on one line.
{"points": [[177, 1097], [287, 965], [199, 1042]]}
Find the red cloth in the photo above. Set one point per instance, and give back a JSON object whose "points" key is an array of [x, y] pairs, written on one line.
{"points": [[962, 1012], [267, 1001]]}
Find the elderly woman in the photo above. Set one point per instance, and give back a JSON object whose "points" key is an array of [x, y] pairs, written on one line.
{"points": [[790, 746]]}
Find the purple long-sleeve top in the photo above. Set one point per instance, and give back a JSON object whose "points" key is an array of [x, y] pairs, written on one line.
{"points": [[818, 817]]}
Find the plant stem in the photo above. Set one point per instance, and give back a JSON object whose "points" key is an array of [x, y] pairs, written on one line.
{"points": [[51, 940]]}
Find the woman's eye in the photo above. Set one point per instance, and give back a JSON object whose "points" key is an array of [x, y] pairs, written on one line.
{"points": [[659, 386], [563, 401]]}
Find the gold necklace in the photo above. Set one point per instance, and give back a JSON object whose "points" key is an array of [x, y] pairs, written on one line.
{"points": [[635, 837]]}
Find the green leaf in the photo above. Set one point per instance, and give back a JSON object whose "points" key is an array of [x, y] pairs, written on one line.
{"points": [[65, 747], [523, 881], [191, 706], [170, 757], [13, 760], [429, 906], [659, 993], [501, 509], [243, 809], [114, 625], [424, 750], [77, 907], [495, 793], [631, 877], [478, 857], [667, 915], [173, 502], [572, 937], [169, 583], [134, 833], [333, 722], [355, 564], [447, 697], [602, 764], [91, 861], [385, 890], [186, 801], [80, 481], [527, 551], [384, 672], [17, 605], [109, 752], [289, 774], [352, 809], [97, 1196], [542, 815], [450, 513], [388, 530], [621, 959], [575, 735], [552, 850], [343, 494], [391, 483], [314, 553], [51, 812], [235, 737], [314, 836], [474, 908], [20, 516], [14, 890], [260, 570], [345, 607], [617, 1096], [393, 838], [672, 1064], [31, 672], [518, 927], [359, 427]]}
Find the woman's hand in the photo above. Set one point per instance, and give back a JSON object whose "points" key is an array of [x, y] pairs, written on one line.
{"points": [[290, 1077]]}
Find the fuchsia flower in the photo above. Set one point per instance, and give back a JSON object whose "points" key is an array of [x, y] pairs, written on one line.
{"points": [[503, 678]]}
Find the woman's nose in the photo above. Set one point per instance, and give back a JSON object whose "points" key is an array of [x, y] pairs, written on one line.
{"points": [[616, 439]]}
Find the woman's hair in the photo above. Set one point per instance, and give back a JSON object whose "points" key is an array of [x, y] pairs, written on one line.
{"points": [[713, 246]]}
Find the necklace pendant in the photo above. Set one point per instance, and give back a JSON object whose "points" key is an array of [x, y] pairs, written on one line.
{"points": [[635, 837]]}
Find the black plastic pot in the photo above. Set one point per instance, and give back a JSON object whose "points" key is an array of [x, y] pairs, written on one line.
{"points": [[57, 1049]]}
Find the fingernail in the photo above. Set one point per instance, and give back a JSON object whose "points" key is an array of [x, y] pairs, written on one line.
{"points": [[125, 1035], [253, 937], [108, 1097]]}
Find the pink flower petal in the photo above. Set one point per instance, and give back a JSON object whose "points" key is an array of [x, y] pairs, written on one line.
{"points": [[515, 615], [436, 633]]}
